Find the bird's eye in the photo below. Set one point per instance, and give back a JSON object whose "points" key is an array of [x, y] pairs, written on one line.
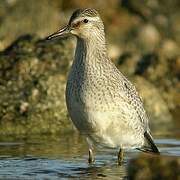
{"points": [[85, 21]]}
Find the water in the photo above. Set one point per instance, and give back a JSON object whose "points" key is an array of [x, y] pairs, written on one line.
{"points": [[65, 157]]}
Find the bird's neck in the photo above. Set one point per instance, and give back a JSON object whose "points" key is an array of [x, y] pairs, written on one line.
{"points": [[91, 51]]}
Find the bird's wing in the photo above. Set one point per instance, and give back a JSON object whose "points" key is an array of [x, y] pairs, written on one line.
{"points": [[130, 95], [133, 98]]}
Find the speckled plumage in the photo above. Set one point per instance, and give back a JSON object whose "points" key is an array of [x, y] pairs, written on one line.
{"points": [[103, 105]]}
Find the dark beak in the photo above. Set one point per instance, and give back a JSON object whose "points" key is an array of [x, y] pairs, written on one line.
{"points": [[61, 33]]}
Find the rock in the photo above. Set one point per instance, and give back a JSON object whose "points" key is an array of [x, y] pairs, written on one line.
{"points": [[170, 49], [148, 167], [147, 63], [155, 30], [163, 73], [32, 86], [127, 62], [165, 18], [148, 38], [23, 17], [114, 51]]}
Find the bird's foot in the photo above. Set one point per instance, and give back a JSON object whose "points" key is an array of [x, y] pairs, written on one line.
{"points": [[91, 157]]}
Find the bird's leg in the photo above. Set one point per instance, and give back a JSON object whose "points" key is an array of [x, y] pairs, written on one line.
{"points": [[91, 157], [120, 156]]}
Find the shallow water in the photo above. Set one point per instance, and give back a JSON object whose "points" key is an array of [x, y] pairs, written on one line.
{"points": [[65, 157]]}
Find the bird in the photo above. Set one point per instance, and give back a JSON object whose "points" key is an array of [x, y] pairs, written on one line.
{"points": [[102, 103]]}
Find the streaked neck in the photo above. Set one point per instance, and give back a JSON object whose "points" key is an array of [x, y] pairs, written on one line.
{"points": [[91, 50]]}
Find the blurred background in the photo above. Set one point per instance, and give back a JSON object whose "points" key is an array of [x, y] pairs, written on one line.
{"points": [[37, 139], [143, 38]]}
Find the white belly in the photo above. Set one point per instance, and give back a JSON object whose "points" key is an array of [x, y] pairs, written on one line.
{"points": [[106, 128]]}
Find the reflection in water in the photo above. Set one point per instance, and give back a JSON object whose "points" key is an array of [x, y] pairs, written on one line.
{"points": [[65, 156]]}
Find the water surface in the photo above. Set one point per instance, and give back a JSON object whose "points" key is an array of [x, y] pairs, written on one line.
{"points": [[65, 157]]}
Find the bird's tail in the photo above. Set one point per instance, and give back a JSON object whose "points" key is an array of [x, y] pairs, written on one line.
{"points": [[151, 146]]}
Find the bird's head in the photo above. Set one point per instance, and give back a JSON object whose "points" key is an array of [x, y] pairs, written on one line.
{"points": [[84, 23]]}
